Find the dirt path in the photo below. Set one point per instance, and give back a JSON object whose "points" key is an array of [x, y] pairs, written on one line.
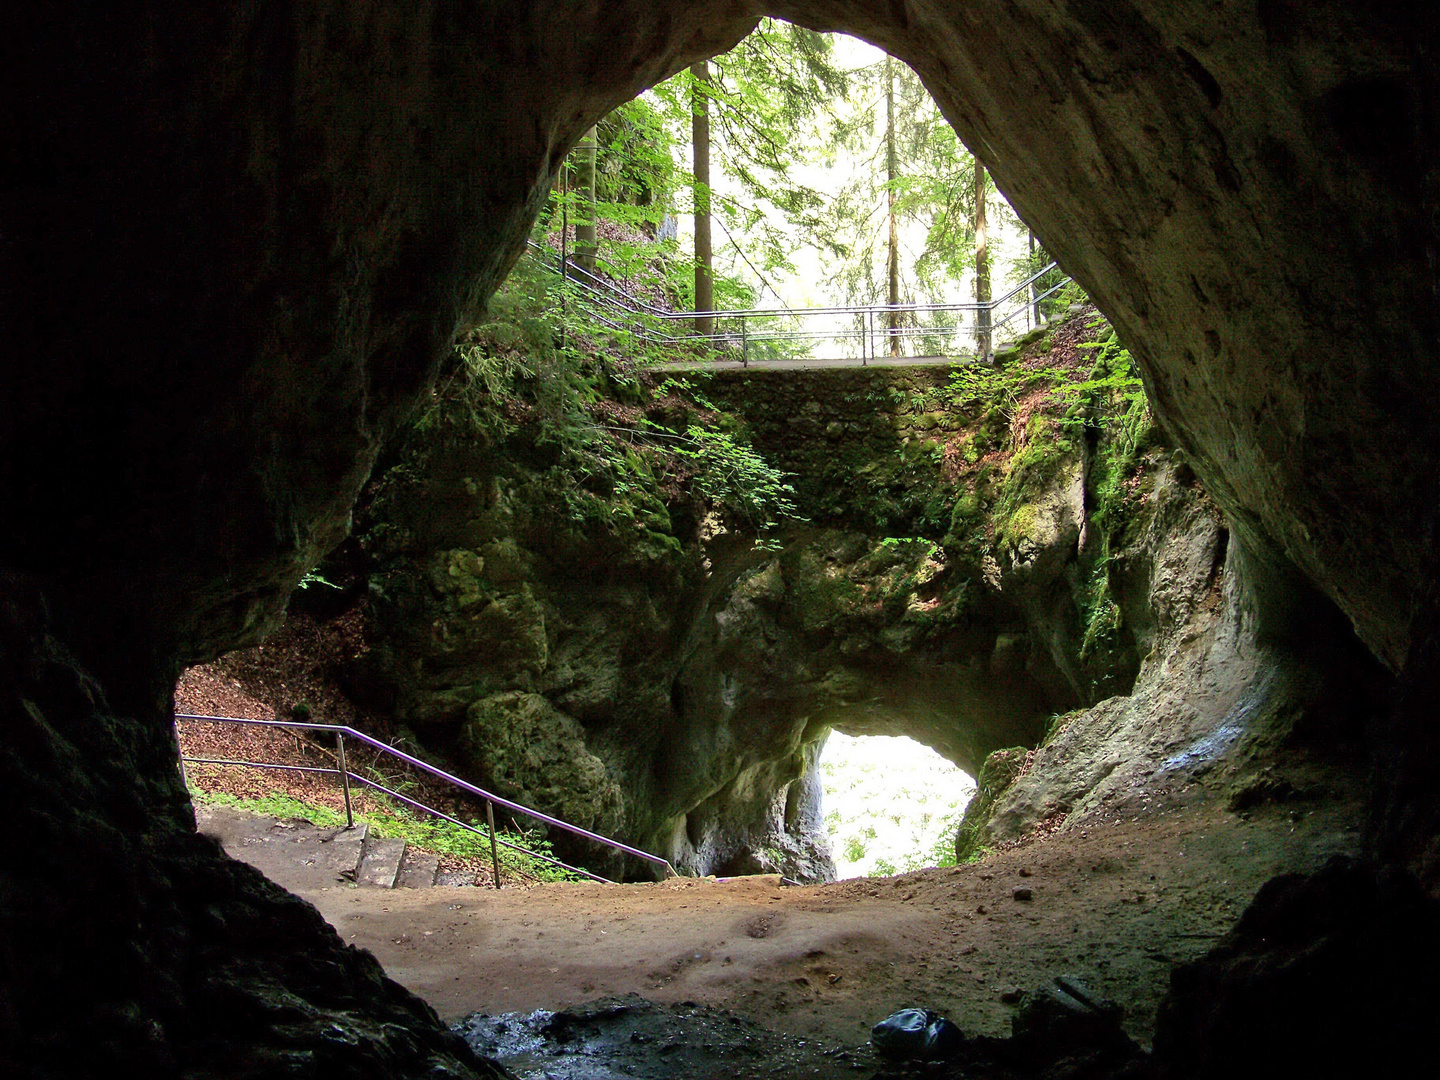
{"points": [[1116, 905]]}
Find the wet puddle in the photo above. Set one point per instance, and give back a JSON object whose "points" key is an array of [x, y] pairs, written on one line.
{"points": [[630, 1037]]}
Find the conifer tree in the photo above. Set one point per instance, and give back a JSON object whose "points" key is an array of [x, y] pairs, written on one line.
{"points": [[700, 145], [585, 243], [982, 264], [892, 178]]}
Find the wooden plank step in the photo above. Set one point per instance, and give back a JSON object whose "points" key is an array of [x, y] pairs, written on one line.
{"points": [[381, 862], [418, 870]]}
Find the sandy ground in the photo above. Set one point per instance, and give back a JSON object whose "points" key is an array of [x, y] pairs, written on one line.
{"points": [[1115, 905]]}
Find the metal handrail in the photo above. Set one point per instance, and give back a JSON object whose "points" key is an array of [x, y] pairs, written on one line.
{"points": [[595, 283], [491, 799], [633, 315]]}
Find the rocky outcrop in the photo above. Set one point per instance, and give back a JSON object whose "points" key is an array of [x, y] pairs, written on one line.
{"points": [[1186, 609], [1183, 174], [1351, 950], [1215, 693], [119, 921], [596, 642]]}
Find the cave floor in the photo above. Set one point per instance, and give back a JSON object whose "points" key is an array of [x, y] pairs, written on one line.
{"points": [[1116, 903]]}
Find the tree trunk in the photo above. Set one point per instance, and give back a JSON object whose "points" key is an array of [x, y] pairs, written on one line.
{"points": [[982, 266], [700, 141], [585, 244], [892, 172]]}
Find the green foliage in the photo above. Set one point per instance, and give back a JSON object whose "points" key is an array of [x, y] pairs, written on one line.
{"points": [[635, 165], [931, 549], [390, 819], [1054, 304], [906, 819], [1057, 723], [635, 180], [277, 806], [532, 376], [1112, 404], [735, 478], [934, 189], [1001, 769], [942, 851], [763, 94]]}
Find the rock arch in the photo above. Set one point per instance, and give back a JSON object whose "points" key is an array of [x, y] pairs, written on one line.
{"points": [[235, 243]]}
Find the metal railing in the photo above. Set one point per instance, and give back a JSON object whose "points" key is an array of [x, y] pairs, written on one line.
{"points": [[866, 331], [346, 775]]}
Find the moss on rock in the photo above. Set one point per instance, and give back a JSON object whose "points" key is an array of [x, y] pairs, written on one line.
{"points": [[1001, 769], [529, 751]]}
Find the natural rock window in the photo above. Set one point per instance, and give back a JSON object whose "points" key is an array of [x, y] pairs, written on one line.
{"points": [[891, 804]]}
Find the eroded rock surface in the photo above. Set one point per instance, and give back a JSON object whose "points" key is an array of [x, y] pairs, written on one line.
{"points": [[119, 921], [1350, 950], [236, 243], [595, 640]]}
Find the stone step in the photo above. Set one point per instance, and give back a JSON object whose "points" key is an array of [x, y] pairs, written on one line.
{"points": [[417, 871], [380, 862], [454, 878], [340, 854]]}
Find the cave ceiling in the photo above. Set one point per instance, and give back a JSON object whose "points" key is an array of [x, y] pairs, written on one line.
{"points": [[237, 242]]}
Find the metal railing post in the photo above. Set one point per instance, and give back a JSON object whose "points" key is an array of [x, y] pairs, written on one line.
{"points": [[494, 850], [344, 778], [744, 343], [180, 757], [410, 760]]}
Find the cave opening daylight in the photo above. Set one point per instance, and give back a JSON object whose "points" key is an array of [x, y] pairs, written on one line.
{"points": [[891, 804]]}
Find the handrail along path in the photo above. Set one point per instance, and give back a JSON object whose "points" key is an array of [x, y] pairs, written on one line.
{"points": [[342, 732], [875, 329]]}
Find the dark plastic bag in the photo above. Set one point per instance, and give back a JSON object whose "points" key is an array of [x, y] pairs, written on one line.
{"points": [[916, 1033]]}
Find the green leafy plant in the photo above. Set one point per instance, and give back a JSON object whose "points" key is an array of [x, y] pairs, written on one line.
{"points": [[749, 489], [312, 578], [390, 819]]}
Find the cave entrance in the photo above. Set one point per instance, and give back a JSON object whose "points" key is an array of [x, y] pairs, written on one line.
{"points": [[891, 804]]}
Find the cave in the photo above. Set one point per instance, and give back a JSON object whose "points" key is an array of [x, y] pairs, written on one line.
{"points": [[237, 242]]}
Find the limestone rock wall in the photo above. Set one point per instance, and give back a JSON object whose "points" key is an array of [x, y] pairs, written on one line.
{"points": [[612, 654], [235, 243], [1281, 205], [1216, 698], [129, 944]]}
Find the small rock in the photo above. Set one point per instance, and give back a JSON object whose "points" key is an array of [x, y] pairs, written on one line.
{"points": [[1023, 893], [980, 909], [1010, 997], [1024, 871], [832, 978]]}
